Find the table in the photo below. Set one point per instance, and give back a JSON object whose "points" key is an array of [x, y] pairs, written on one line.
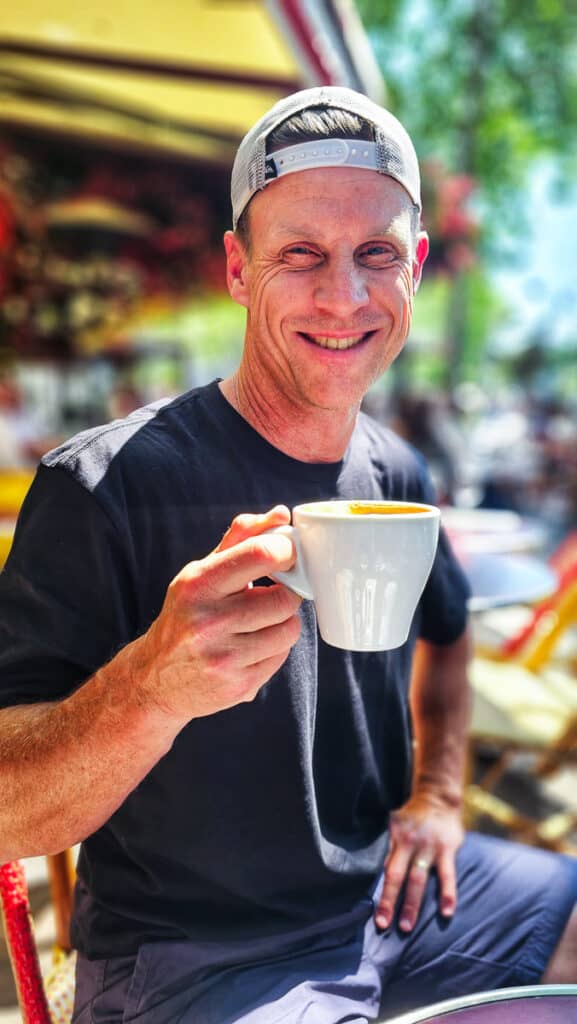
{"points": [[529, 1004], [497, 580], [494, 531], [498, 551]]}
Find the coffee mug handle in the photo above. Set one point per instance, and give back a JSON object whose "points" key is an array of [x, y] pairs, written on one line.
{"points": [[295, 578]]}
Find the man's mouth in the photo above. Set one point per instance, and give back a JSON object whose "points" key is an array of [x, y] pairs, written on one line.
{"points": [[340, 344]]}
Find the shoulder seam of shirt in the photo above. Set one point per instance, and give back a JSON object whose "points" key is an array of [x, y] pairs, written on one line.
{"points": [[97, 433]]}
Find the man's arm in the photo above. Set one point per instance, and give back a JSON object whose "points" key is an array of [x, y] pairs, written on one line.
{"points": [[67, 766], [427, 831]]}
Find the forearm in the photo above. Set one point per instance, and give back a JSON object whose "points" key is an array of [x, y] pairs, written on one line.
{"points": [[67, 766], [440, 704]]}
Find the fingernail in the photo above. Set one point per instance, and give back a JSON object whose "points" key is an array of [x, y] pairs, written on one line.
{"points": [[447, 909], [405, 924], [382, 920]]}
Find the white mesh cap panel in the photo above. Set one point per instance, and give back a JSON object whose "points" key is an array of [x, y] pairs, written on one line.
{"points": [[396, 155]]}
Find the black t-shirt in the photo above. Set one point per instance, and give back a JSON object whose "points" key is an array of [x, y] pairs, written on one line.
{"points": [[260, 818]]}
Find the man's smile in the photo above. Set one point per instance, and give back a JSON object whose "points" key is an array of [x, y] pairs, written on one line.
{"points": [[332, 342]]}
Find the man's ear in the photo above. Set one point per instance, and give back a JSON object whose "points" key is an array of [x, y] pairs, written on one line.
{"points": [[236, 268], [421, 253]]}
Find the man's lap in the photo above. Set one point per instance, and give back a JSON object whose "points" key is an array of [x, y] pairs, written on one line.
{"points": [[514, 902]]}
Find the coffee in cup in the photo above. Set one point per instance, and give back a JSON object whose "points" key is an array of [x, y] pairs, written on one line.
{"points": [[365, 565]]}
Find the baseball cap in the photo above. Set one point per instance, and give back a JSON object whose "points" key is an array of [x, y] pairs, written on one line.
{"points": [[392, 152]]}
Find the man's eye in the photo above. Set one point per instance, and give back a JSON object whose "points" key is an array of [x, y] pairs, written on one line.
{"points": [[377, 255], [302, 255]]}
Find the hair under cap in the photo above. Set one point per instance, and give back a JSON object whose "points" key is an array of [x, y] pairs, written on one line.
{"points": [[392, 153]]}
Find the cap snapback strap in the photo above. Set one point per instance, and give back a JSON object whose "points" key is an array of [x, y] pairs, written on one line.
{"points": [[322, 153]]}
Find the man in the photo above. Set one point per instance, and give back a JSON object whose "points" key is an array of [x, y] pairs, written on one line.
{"points": [[238, 784]]}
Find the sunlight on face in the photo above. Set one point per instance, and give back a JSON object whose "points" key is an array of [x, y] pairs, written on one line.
{"points": [[328, 283]]}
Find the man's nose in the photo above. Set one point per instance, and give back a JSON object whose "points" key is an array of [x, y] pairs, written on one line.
{"points": [[341, 288]]}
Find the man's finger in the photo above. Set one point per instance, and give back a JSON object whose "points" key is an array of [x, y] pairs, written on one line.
{"points": [[262, 671], [229, 571], [250, 525], [252, 610], [417, 878], [447, 883], [395, 874], [270, 642]]}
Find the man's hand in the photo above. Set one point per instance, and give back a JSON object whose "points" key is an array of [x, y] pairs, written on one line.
{"points": [[425, 835], [217, 639]]}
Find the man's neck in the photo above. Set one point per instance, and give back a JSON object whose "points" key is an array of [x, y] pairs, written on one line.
{"points": [[309, 435]]}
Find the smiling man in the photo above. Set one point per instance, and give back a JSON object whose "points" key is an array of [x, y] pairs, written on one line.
{"points": [[328, 286], [271, 827]]}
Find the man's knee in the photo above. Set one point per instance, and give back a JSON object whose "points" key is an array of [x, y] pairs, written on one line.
{"points": [[562, 967]]}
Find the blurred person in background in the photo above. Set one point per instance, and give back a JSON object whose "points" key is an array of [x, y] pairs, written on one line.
{"points": [[271, 827], [23, 439], [426, 422], [124, 399]]}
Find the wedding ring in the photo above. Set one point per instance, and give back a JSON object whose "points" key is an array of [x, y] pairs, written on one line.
{"points": [[421, 862]]}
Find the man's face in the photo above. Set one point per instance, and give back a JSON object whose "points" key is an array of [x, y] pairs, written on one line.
{"points": [[328, 284]]}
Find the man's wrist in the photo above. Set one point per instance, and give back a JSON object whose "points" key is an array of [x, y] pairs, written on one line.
{"points": [[447, 794], [130, 678]]}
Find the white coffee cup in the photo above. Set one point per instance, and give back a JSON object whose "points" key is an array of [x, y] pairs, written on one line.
{"points": [[365, 565]]}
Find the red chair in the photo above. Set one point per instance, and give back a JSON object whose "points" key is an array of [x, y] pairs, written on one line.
{"points": [[532, 642], [21, 944], [42, 1000]]}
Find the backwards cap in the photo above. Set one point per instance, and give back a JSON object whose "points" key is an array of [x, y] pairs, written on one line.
{"points": [[392, 153]]}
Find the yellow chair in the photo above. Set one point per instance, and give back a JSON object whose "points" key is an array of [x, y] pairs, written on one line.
{"points": [[525, 703], [6, 535], [517, 711], [14, 484]]}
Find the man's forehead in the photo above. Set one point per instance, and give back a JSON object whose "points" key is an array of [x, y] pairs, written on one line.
{"points": [[313, 198]]}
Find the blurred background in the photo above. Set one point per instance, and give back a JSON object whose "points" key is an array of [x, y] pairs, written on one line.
{"points": [[117, 133], [118, 128]]}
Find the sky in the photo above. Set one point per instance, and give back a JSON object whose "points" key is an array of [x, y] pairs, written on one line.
{"points": [[542, 286]]}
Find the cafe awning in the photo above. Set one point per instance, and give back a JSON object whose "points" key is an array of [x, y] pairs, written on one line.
{"points": [[185, 77]]}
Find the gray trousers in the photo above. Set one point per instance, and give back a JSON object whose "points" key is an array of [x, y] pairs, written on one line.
{"points": [[514, 903]]}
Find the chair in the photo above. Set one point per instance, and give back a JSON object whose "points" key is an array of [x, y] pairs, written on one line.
{"points": [[516, 711], [14, 484], [532, 634], [525, 702], [42, 1000]]}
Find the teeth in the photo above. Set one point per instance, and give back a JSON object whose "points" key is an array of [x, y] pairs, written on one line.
{"points": [[337, 343]]}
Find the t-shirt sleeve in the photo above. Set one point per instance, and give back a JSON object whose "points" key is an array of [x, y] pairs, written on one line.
{"points": [[443, 605], [66, 592]]}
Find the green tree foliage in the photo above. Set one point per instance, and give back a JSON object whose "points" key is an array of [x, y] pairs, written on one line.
{"points": [[486, 87]]}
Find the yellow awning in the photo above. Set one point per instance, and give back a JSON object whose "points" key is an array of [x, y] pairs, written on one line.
{"points": [[187, 76]]}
